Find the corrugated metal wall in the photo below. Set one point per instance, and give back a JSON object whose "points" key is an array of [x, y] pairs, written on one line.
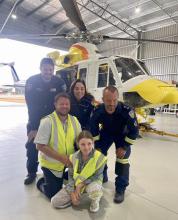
{"points": [[125, 48], [161, 59]]}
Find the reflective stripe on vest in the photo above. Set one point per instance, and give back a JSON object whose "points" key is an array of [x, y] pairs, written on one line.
{"points": [[90, 168], [60, 141]]}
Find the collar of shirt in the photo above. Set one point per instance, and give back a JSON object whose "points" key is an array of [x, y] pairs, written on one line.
{"points": [[83, 163], [64, 125]]}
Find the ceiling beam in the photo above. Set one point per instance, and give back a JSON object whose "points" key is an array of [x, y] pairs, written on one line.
{"points": [[37, 8], [1, 1], [118, 22], [150, 22], [8, 16], [19, 2], [148, 12], [62, 26], [162, 9], [51, 15], [120, 11]]}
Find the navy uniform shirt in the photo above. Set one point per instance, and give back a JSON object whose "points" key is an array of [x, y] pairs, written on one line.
{"points": [[122, 124], [39, 96], [82, 109]]}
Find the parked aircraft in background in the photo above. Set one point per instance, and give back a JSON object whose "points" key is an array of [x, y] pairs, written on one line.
{"points": [[11, 88]]}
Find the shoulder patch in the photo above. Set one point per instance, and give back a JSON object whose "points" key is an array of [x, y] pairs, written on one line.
{"points": [[135, 124], [131, 114]]}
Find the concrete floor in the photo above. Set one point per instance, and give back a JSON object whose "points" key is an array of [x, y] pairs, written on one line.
{"points": [[152, 194]]}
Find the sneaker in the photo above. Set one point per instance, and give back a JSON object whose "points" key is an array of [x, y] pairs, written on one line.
{"points": [[119, 197], [66, 205], [94, 207], [29, 179]]}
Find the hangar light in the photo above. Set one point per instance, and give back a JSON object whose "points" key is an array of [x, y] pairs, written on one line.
{"points": [[137, 9], [14, 16]]}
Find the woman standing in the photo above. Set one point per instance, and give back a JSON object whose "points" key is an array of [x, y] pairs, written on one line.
{"points": [[81, 103]]}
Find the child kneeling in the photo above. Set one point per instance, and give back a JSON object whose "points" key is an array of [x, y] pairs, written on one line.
{"points": [[85, 175]]}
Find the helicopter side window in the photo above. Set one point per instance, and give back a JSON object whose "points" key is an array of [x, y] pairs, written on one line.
{"points": [[68, 75], [102, 75], [82, 74], [112, 80]]}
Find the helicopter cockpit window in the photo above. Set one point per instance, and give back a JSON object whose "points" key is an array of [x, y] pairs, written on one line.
{"points": [[102, 75], [82, 74], [142, 64], [68, 74], [128, 68]]}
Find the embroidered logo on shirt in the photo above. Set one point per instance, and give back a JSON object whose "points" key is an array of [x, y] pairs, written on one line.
{"points": [[131, 113], [135, 124], [53, 90]]}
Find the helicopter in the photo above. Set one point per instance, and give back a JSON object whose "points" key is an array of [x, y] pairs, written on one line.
{"points": [[132, 78], [136, 86]]}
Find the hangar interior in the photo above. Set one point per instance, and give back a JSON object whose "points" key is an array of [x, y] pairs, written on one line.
{"points": [[152, 193]]}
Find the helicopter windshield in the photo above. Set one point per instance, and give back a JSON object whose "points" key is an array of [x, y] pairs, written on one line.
{"points": [[142, 64], [128, 68]]}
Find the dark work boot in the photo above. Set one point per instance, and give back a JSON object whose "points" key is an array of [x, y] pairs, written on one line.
{"points": [[40, 183], [29, 179], [105, 176], [119, 197]]}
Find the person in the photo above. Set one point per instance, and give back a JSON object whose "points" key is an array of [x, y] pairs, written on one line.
{"points": [[86, 174], [115, 122], [55, 141], [81, 103], [40, 91]]}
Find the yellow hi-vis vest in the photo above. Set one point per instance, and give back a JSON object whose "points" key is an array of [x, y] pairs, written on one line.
{"points": [[97, 161], [60, 141]]}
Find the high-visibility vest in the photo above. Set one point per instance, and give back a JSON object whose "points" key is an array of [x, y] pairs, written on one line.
{"points": [[60, 141], [96, 162]]}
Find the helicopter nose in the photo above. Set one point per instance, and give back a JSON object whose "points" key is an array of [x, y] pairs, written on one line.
{"points": [[157, 92]]}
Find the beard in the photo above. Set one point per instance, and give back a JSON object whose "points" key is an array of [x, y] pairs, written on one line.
{"points": [[62, 113]]}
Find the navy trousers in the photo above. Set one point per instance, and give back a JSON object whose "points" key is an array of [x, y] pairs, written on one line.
{"points": [[50, 184], [32, 158], [121, 170]]}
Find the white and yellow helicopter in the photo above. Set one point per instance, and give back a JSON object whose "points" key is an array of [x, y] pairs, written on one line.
{"points": [[136, 86]]}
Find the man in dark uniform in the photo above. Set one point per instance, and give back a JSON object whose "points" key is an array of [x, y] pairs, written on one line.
{"points": [[114, 122], [40, 91]]}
